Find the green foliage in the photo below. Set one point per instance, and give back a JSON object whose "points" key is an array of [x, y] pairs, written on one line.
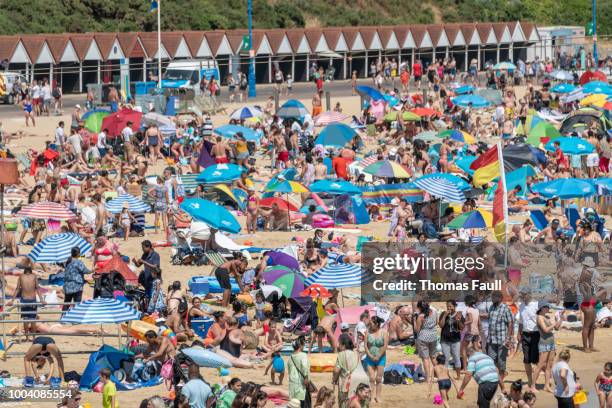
{"points": [[54, 16]]}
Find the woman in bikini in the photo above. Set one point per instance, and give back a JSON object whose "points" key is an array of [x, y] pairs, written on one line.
{"points": [[252, 211], [217, 330]]}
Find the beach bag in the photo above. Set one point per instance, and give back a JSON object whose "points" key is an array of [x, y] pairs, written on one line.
{"points": [[167, 372], [393, 377]]}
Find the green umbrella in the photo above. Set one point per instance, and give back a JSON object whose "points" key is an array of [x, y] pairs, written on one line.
{"points": [[543, 130], [289, 282], [407, 116], [93, 122]]}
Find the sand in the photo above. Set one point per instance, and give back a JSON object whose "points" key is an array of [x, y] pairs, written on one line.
{"points": [[586, 365]]}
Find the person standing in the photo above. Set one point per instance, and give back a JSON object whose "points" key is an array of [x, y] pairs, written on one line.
{"points": [[348, 364], [427, 336], [101, 142], [75, 117], [27, 111], [528, 335], [109, 391], [481, 367], [151, 261], [27, 288], [565, 382], [74, 280], [196, 390], [113, 99], [501, 329], [46, 95], [36, 92], [298, 368], [451, 322], [376, 345], [60, 136], [546, 345]]}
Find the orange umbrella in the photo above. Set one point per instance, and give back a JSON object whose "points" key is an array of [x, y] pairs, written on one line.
{"points": [[427, 112], [316, 290], [282, 203]]}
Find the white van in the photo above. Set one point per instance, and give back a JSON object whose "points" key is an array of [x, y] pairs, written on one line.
{"points": [[189, 73], [7, 86]]}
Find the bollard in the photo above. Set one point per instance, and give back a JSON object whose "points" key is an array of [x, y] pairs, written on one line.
{"points": [[327, 100]]}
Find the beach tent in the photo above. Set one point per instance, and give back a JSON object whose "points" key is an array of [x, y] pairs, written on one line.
{"points": [[111, 358], [350, 210]]}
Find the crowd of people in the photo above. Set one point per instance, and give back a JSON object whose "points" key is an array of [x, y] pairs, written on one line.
{"points": [[476, 336]]}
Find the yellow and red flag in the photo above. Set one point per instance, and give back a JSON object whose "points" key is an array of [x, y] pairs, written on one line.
{"points": [[486, 167]]}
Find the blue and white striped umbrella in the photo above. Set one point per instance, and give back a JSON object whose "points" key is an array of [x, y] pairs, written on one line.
{"points": [[246, 112], [56, 248], [136, 205], [338, 276], [101, 310], [441, 188]]}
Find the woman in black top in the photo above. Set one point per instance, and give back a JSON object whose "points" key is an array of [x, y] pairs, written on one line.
{"points": [[451, 321]]}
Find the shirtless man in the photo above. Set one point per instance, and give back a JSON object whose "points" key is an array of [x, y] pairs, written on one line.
{"points": [[549, 233], [324, 329], [28, 288], [110, 161], [220, 151], [278, 219], [159, 348], [320, 169], [399, 327], [113, 99], [68, 196], [282, 152], [101, 214]]}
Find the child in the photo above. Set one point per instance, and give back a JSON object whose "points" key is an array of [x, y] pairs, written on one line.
{"points": [[278, 367], [444, 379], [259, 306], [109, 391], [527, 401], [325, 398], [273, 342], [125, 219], [603, 385]]}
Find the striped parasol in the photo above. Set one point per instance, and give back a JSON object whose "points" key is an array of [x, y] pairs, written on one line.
{"points": [[135, 205], [101, 310], [387, 168], [442, 188], [325, 118], [338, 276], [56, 248], [46, 210]]}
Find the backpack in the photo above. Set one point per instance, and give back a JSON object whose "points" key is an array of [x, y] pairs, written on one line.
{"points": [[393, 377]]}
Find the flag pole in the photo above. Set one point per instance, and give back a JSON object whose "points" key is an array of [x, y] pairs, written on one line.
{"points": [[502, 178], [159, 64]]}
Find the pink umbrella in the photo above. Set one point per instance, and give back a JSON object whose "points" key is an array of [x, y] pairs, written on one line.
{"points": [[46, 210], [377, 108]]}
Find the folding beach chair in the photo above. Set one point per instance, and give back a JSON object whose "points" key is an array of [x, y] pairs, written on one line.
{"points": [[539, 221]]}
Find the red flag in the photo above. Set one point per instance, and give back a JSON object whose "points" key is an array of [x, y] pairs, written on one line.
{"points": [[499, 224]]}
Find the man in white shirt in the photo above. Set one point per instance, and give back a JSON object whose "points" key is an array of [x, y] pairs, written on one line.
{"points": [[75, 140], [60, 137], [126, 135], [46, 96], [101, 143], [528, 333]]}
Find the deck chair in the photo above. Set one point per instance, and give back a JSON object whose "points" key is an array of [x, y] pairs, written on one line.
{"points": [[573, 216], [23, 159], [539, 221], [215, 258]]}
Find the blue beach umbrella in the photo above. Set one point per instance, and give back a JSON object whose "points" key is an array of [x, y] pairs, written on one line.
{"points": [[135, 205], [566, 188], [336, 135], [230, 131], [57, 247], [220, 173], [515, 178], [101, 310], [563, 88], [464, 89], [472, 219], [292, 109], [597, 87], [507, 65], [339, 275], [604, 182], [441, 188], [476, 101], [571, 145], [334, 187], [246, 112], [214, 215], [451, 178], [369, 93]]}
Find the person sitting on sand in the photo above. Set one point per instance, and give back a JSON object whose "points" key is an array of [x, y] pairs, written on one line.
{"points": [[231, 345], [273, 342], [217, 330], [325, 328]]}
